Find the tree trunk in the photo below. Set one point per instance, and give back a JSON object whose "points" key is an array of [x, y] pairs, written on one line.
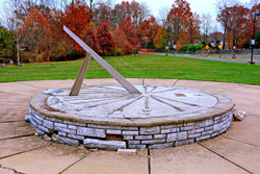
{"points": [[37, 54], [18, 51]]}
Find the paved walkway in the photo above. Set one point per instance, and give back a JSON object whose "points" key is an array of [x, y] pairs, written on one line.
{"points": [[257, 62], [237, 151]]}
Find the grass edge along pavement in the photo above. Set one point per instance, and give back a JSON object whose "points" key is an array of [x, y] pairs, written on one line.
{"points": [[142, 66]]}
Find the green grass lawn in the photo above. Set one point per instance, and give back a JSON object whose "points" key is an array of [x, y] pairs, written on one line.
{"points": [[143, 66]]}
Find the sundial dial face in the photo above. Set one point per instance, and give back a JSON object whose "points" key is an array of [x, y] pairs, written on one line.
{"points": [[116, 102]]}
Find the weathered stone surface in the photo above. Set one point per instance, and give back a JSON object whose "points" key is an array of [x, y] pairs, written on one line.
{"points": [[114, 132], [44, 129], [92, 132], [72, 127], [112, 127], [153, 141], [143, 137], [170, 130], [203, 138], [39, 131], [75, 123], [71, 131], [67, 141], [176, 136], [60, 125], [130, 132], [78, 137], [133, 142], [126, 151], [196, 131], [214, 134], [150, 130], [107, 145], [194, 135], [128, 137], [160, 146], [171, 126], [36, 120], [48, 124], [187, 128], [159, 136], [137, 146], [219, 126], [62, 133], [208, 128], [33, 123], [180, 143], [206, 132], [205, 123]]}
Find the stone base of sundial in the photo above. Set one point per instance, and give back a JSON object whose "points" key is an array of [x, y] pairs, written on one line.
{"points": [[108, 117]]}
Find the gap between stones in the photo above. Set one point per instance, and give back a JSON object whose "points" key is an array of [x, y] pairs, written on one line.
{"points": [[225, 158], [20, 136], [15, 171], [149, 160], [7, 156], [73, 163], [229, 138]]}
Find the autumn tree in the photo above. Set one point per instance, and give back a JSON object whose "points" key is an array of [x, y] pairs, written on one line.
{"points": [[120, 40], [177, 20], [90, 39], [194, 28], [105, 40], [161, 39], [130, 30], [37, 29], [148, 31]]}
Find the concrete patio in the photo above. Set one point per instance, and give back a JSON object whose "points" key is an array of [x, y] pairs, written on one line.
{"points": [[237, 151]]}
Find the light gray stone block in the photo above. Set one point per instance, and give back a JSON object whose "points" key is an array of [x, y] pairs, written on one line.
{"points": [[160, 146], [194, 135], [114, 132], [27, 118], [39, 116], [61, 125], [48, 124], [208, 128], [187, 128], [62, 134], [72, 127], [71, 131], [36, 120], [219, 126], [180, 143], [206, 132], [158, 141], [189, 124], [92, 132], [159, 136], [39, 131], [75, 123], [176, 136], [107, 145], [139, 147], [169, 130], [67, 141], [112, 127], [203, 138], [143, 137], [196, 131], [214, 134], [150, 130], [130, 132], [171, 126], [44, 129], [132, 142], [77, 137], [205, 123], [33, 123], [128, 137]]}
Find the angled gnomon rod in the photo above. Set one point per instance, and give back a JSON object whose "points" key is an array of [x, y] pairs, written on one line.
{"points": [[127, 85]]}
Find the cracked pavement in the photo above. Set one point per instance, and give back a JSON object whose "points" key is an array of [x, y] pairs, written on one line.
{"points": [[21, 152]]}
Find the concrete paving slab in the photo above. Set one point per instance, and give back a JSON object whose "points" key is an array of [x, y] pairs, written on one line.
{"points": [[190, 159], [7, 171], [14, 129], [49, 160], [111, 163], [247, 156], [215, 87], [19, 89], [49, 84], [11, 98], [247, 131], [13, 111], [18, 145]]}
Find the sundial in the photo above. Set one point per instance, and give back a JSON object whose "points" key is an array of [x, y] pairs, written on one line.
{"points": [[128, 115]]}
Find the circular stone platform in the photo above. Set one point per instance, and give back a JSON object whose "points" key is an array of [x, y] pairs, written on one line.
{"points": [[108, 117]]}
